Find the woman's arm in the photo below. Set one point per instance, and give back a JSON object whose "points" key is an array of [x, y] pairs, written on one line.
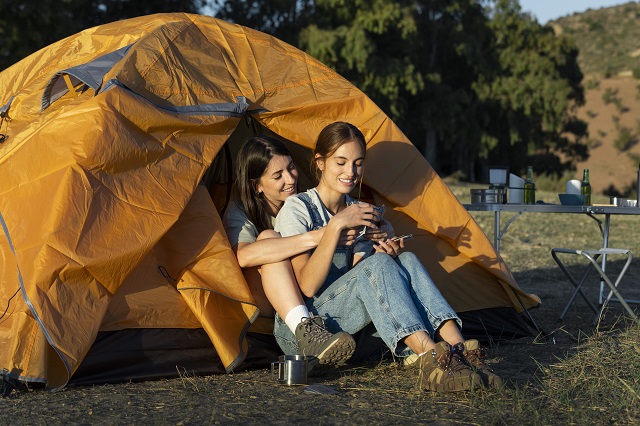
{"points": [[274, 250], [312, 270]]}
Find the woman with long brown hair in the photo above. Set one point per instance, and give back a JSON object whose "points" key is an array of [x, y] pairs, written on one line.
{"points": [[382, 285], [265, 177]]}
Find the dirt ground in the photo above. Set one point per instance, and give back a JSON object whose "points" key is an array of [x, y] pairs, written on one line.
{"points": [[381, 393]]}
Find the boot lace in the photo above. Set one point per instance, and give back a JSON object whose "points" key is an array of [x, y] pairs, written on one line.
{"points": [[314, 327], [451, 362], [476, 357]]}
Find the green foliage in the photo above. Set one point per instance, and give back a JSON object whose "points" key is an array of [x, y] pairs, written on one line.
{"points": [[592, 84], [537, 88], [625, 139], [283, 19], [371, 44], [635, 158], [478, 88], [636, 73], [468, 81], [610, 95], [417, 60], [28, 25], [593, 25], [621, 108], [594, 143], [605, 37], [609, 71]]}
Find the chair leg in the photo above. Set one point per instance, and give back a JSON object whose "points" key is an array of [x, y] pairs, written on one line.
{"points": [[577, 286], [613, 287]]}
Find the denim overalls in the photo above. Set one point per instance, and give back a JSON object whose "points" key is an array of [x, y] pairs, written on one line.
{"points": [[397, 295]]}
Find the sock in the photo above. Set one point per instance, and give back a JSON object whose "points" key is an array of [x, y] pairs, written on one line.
{"points": [[294, 317]]}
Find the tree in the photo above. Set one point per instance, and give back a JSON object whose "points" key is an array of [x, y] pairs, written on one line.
{"points": [[530, 100], [283, 19], [29, 25], [471, 82], [469, 85], [418, 60]]}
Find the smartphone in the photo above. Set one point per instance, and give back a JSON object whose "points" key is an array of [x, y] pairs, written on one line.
{"points": [[405, 237]]}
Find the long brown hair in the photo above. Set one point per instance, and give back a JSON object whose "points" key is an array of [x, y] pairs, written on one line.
{"points": [[330, 139], [251, 163]]}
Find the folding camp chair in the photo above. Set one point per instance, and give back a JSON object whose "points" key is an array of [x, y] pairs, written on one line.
{"points": [[593, 256]]}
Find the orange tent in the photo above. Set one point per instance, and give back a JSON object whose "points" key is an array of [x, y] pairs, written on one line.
{"points": [[106, 229]]}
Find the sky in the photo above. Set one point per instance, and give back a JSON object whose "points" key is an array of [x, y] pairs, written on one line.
{"points": [[547, 10]]}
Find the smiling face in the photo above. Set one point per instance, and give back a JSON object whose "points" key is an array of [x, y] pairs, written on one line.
{"points": [[343, 169], [278, 182]]}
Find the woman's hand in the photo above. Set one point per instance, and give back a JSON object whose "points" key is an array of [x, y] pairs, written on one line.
{"points": [[348, 237], [357, 215], [381, 233], [389, 246]]}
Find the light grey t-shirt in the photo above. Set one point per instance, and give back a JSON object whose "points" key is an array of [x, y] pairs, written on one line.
{"points": [[294, 218], [238, 226]]}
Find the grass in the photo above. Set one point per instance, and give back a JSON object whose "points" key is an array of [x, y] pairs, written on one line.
{"points": [[598, 384], [597, 379], [578, 375]]}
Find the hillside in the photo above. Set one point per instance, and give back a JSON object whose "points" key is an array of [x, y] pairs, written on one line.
{"points": [[609, 43], [612, 125], [608, 38]]}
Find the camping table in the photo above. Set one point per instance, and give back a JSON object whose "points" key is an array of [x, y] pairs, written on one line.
{"points": [[591, 211]]}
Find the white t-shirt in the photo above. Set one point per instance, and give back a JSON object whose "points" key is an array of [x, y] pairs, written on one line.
{"points": [[294, 218], [238, 226]]}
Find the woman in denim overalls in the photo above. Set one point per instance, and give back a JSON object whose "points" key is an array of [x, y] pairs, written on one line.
{"points": [[265, 177], [382, 286]]}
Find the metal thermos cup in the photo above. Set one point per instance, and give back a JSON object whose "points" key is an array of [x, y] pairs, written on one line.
{"points": [[290, 370]]}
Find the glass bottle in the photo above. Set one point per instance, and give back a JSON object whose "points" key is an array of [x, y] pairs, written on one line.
{"points": [[585, 188], [529, 187]]}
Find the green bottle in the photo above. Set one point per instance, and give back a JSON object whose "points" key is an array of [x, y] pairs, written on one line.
{"points": [[585, 188], [529, 187]]}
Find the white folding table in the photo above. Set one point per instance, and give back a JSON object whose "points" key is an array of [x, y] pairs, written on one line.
{"points": [[518, 209], [592, 211]]}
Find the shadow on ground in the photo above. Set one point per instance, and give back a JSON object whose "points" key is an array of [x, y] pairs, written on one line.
{"points": [[520, 360], [379, 393]]}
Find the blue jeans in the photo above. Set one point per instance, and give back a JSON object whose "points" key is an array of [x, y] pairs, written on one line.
{"points": [[397, 295]]}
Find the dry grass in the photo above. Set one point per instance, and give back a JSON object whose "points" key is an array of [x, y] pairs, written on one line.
{"points": [[597, 384], [582, 375], [576, 375]]}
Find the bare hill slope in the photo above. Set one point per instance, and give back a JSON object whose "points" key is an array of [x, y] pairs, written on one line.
{"points": [[609, 43], [613, 134]]}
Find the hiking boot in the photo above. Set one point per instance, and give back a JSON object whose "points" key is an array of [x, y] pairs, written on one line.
{"points": [[474, 354], [443, 370], [410, 361], [315, 340]]}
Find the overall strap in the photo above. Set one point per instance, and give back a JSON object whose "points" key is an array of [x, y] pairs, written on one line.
{"points": [[318, 223], [316, 219]]}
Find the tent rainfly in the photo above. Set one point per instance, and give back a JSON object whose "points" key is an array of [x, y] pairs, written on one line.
{"points": [[114, 263]]}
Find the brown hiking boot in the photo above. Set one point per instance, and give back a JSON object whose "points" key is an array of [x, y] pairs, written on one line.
{"points": [[315, 340], [444, 370], [474, 354]]}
